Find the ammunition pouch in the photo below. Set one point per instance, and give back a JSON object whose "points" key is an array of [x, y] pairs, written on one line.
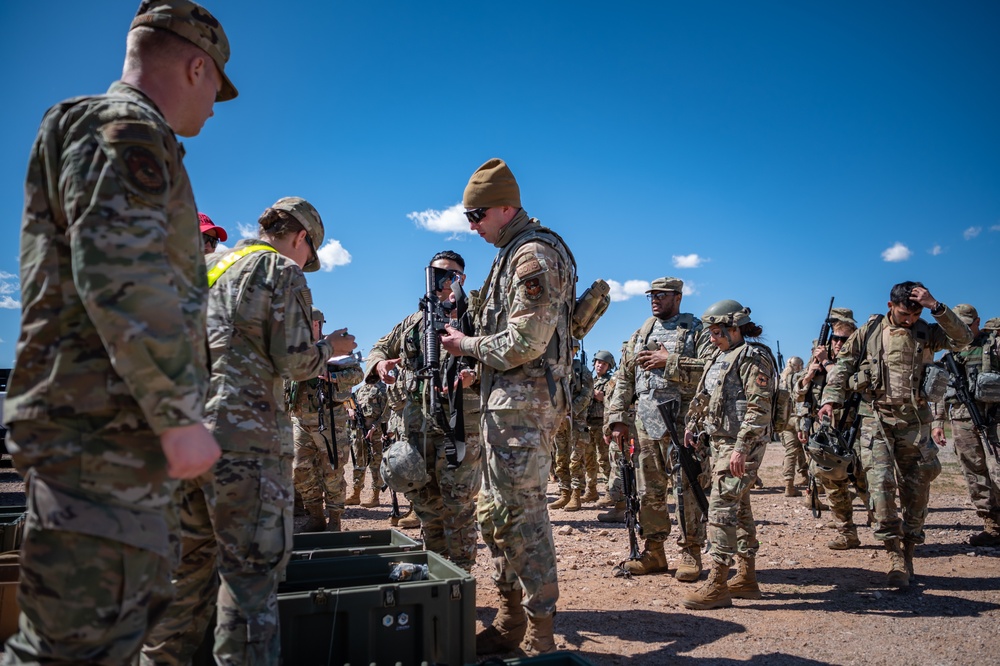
{"points": [[782, 409], [935, 383], [590, 306], [987, 387]]}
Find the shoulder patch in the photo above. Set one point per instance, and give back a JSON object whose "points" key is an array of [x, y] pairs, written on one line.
{"points": [[762, 380], [528, 266], [144, 170]]}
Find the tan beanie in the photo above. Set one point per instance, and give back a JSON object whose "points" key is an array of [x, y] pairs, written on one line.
{"points": [[492, 185]]}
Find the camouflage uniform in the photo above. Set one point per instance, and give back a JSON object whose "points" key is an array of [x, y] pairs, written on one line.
{"points": [[569, 468], [615, 491], [979, 465], [895, 428], [688, 346], [526, 360], [111, 353], [595, 425], [446, 504], [787, 427], [374, 405], [733, 406], [236, 520], [315, 478]]}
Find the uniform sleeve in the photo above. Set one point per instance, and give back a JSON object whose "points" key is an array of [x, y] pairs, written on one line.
{"points": [[534, 306], [757, 377], [950, 332], [581, 402], [618, 401], [293, 351], [117, 226], [388, 346], [835, 391]]}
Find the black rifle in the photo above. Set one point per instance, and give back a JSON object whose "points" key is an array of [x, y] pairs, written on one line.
{"points": [[631, 492], [781, 359], [691, 467], [324, 395], [435, 319], [964, 395], [362, 426], [824, 342]]}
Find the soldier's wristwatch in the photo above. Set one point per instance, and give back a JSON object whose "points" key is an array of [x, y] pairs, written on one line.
{"points": [[938, 309]]}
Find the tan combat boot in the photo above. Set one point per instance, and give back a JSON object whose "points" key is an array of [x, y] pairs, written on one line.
{"points": [[653, 560], [563, 500], [354, 499], [317, 519], [990, 536], [605, 502], [791, 490], [689, 569], [574, 503], [846, 540], [409, 521], [540, 638], [713, 593], [334, 516], [591, 495], [372, 499], [744, 583], [508, 628], [615, 515], [908, 547], [898, 574]]}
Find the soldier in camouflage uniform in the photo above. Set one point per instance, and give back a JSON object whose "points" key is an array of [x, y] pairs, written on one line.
{"points": [[572, 431], [810, 383], [980, 360], [236, 520], [445, 503], [887, 368], [662, 362], [321, 438], [785, 424], [604, 386], [616, 495], [105, 404], [374, 405], [523, 346], [733, 409]]}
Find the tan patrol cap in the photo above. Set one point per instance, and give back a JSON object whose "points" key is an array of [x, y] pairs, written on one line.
{"points": [[845, 315], [966, 313], [666, 284], [197, 25], [492, 185], [309, 218]]}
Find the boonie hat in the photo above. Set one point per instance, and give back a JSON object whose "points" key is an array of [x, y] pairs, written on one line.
{"points": [[845, 315], [197, 25], [306, 215]]}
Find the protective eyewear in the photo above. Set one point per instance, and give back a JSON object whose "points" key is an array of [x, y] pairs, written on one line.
{"points": [[312, 247], [476, 215], [659, 295], [210, 240], [839, 338]]}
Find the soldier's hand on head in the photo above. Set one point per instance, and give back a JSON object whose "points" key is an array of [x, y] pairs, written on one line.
{"points": [[342, 342], [922, 296], [451, 341], [190, 450], [383, 368], [937, 434]]}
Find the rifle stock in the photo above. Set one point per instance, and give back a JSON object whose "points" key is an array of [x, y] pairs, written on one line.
{"points": [[964, 395]]}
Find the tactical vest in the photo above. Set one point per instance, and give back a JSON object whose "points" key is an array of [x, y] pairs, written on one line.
{"points": [[894, 361], [727, 404], [595, 413], [491, 315], [676, 335]]}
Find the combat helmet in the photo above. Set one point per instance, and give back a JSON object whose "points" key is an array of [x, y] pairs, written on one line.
{"points": [[726, 313], [605, 356], [403, 468], [830, 455]]}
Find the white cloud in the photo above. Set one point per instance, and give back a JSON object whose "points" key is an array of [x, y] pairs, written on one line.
{"points": [[333, 254], [936, 250], [449, 221], [688, 261], [247, 230], [689, 288], [9, 284], [995, 227], [897, 252], [971, 232], [8, 303], [623, 292], [4, 275]]}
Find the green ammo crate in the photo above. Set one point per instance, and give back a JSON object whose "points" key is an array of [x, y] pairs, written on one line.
{"points": [[346, 610], [552, 659], [11, 527], [310, 545]]}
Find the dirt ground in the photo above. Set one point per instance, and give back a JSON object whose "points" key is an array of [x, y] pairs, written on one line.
{"points": [[819, 606]]}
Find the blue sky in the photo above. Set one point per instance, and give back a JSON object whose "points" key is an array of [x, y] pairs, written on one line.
{"points": [[775, 153]]}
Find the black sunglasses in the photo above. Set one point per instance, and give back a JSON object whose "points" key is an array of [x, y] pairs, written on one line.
{"points": [[211, 240], [659, 295], [476, 215], [312, 247], [839, 338]]}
